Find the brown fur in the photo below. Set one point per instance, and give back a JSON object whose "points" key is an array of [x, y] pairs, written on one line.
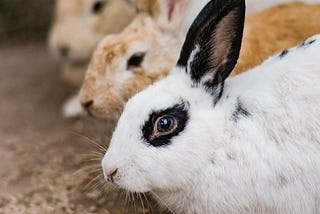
{"points": [[268, 32], [102, 79], [276, 29]]}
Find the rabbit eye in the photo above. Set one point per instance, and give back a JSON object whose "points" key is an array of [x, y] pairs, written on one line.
{"points": [[163, 125], [166, 124], [98, 6], [135, 60]]}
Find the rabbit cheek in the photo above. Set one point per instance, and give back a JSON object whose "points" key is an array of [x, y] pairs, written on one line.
{"points": [[140, 81]]}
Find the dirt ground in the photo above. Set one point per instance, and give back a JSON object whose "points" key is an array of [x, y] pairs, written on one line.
{"points": [[48, 164]]}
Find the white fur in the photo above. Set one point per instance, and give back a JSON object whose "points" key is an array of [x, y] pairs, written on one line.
{"points": [[72, 107], [267, 162]]}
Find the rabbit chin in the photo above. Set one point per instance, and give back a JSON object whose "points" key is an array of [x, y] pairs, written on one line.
{"points": [[139, 184], [133, 186]]}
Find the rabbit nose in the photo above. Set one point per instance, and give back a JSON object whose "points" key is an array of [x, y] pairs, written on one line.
{"points": [[87, 104], [64, 50], [111, 174]]}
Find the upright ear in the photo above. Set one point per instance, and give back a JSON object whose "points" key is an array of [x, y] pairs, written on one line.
{"points": [[145, 6], [169, 14], [213, 43]]}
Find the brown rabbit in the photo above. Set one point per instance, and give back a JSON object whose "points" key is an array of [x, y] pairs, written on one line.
{"points": [[147, 49]]}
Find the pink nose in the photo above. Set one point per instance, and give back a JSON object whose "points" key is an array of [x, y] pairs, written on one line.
{"points": [[111, 174]]}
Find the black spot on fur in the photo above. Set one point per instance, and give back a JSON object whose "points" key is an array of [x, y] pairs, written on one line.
{"points": [[179, 112], [283, 54], [307, 43], [239, 112]]}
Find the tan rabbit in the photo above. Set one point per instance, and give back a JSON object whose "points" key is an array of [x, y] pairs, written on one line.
{"points": [[146, 50], [80, 24], [77, 28]]}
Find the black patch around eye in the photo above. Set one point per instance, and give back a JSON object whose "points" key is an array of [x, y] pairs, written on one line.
{"points": [[283, 54], [179, 112], [98, 6], [239, 112], [135, 60]]}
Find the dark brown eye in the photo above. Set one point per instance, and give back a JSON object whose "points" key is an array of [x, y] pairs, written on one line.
{"points": [[165, 124], [98, 6], [135, 60]]}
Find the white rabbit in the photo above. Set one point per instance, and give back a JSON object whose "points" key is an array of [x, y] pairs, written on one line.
{"points": [[201, 143]]}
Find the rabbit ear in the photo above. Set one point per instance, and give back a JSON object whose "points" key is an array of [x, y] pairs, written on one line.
{"points": [[213, 43], [170, 13], [145, 6]]}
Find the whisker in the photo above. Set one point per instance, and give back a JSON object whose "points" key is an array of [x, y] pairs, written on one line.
{"points": [[95, 170], [94, 181], [139, 196], [158, 198], [90, 141]]}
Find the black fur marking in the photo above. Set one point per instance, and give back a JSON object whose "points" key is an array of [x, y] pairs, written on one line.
{"points": [[307, 43], [239, 112], [179, 112], [283, 54], [202, 33], [216, 91]]}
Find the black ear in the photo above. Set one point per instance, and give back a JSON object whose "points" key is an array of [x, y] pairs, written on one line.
{"points": [[213, 43]]}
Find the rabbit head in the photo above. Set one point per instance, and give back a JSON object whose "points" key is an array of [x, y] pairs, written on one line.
{"points": [[79, 25], [152, 148], [126, 63]]}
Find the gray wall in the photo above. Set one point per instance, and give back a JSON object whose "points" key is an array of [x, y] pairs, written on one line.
{"points": [[24, 20]]}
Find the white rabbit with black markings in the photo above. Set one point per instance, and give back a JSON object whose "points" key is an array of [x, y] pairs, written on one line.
{"points": [[201, 143]]}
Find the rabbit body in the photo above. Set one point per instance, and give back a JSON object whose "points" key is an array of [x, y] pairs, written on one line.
{"points": [[202, 143], [110, 83], [274, 29], [256, 5]]}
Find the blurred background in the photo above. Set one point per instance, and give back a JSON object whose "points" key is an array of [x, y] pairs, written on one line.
{"points": [[25, 21], [48, 164]]}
